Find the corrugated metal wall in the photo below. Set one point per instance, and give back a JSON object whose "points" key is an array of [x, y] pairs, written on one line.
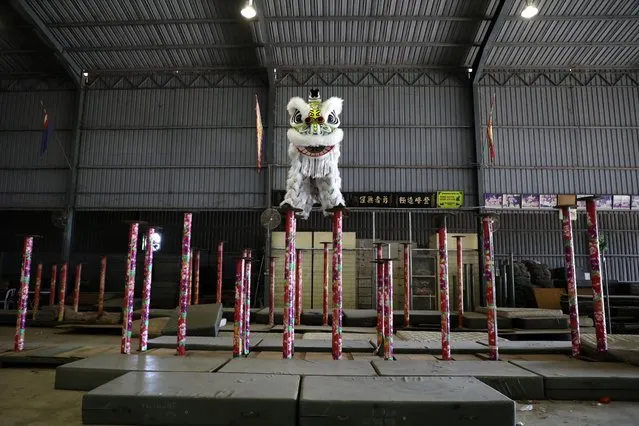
{"points": [[170, 148], [29, 180], [399, 137], [563, 137]]}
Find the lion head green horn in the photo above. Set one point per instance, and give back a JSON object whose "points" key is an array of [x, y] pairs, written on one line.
{"points": [[314, 96]]}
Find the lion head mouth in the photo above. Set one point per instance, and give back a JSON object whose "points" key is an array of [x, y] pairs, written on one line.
{"points": [[314, 151]]}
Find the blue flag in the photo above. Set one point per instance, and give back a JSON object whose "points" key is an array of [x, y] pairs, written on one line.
{"points": [[46, 133]]}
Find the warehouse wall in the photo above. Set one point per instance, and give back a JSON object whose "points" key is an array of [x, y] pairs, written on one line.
{"points": [[402, 131], [564, 134], [27, 179], [181, 143]]}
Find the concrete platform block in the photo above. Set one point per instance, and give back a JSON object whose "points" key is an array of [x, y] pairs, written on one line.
{"points": [[406, 347], [299, 367], [532, 346], [459, 347], [515, 383], [89, 373], [309, 345], [199, 343], [541, 323], [175, 398], [409, 401], [203, 320], [575, 379]]}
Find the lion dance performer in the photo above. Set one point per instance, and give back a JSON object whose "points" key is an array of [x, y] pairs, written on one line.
{"points": [[314, 139]]}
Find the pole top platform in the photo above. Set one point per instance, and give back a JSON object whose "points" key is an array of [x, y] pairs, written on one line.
{"points": [[287, 208], [339, 208]]}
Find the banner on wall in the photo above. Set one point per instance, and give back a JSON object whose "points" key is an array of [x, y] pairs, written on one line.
{"points": [[396, 200], [549, 201]]}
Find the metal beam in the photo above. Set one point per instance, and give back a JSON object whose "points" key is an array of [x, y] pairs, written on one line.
{"points": [[494, 28], [145, 23], [395, 18], [377, 44], [30, 16], [171, 70], [567, 44], [157, 47]]}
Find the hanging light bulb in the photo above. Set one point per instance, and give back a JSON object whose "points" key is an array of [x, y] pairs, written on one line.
{"points": [[249, 11], [530, 10]]}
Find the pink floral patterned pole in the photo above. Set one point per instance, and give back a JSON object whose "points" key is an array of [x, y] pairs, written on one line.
{"points": [[595, 269], [388, 310], [190, 290], [146, 292], [196, 278], [337, 283], [54, 279], [102, 285], [380, 295], [36, 297], [238, 313], [220, 259], [460, 281], [63, 291], [299, 293], [288, 337], [127, 315], [489, 277], [23, 296], [407, 285], [271, 292], [444, 305], [184, 283], [76, 290], [569, 257], [325, 286], [247, 302]]}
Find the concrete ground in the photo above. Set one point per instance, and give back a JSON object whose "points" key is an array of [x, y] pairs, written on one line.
{"points": [[27, 397]]}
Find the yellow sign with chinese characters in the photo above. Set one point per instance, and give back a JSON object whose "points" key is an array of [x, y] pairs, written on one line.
{"points": [[450, 199]]}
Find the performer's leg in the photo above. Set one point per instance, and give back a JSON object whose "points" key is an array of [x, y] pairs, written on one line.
{"points": [[330, 190]]}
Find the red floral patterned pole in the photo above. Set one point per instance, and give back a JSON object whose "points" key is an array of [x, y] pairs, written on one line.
{"points": [[76, 290], [103, 265], [595, 269], [337, 283], [271, 292], [220, 259], [569, 257], [460, 281], [489, 277], [127, 316], [196, 278], [380, 295], [190, 292], [388, 310], [146, 292], [325, 287], [36, 297], [247, 302], [238, 313], [23, 296], [299, 293], [184, 283], [63, 291], [444, 305], [54, 279], [288, 337], [406, 285]]}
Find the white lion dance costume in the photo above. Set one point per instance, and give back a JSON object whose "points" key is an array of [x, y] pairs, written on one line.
{"points": [[314, 152]]}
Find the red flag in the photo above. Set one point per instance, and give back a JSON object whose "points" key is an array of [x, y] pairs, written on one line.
{"points": [[489, 132], [259, 133]]}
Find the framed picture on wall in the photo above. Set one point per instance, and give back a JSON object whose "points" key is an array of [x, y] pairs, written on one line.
{"points": [[547, 201], [621, 202], [530, 201]]}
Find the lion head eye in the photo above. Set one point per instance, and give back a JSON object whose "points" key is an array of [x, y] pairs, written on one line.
{"points": [[332, 118], [297, 117]]}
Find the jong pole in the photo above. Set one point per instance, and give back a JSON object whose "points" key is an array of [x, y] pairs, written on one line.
{"points": [[460, 281], [271, 293], [127, 315], [220, 259], [36, 297], [569, 258], [388, 309], [52, 285], [23, 296], [325, 286], [102, 285], [407, 289], [338, 214], [76, 291], [595, 271], [247, 301], [184, 283], [299, 289], [444, 292], [380, 294], [63, 291], [288, 336], [489, 277], [238, 312], [146, 291], [196, 278]]}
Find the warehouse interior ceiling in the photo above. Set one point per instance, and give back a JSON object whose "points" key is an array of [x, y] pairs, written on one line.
{"points": [[147, 36]]}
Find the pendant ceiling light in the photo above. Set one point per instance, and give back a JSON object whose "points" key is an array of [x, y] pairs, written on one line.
{"points": [[530, 10], [249, 11]]}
